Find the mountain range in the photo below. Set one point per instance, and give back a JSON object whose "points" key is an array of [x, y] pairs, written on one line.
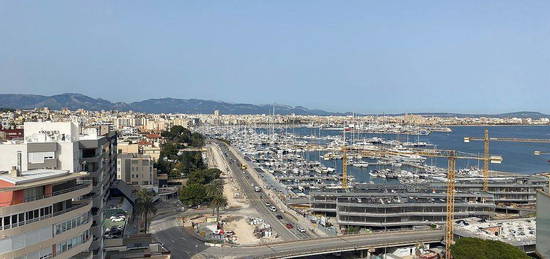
{"points": [[75, 101]]}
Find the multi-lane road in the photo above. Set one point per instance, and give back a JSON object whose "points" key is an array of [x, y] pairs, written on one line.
{"points": [[259, 200], [167, 230], [183, 244]]}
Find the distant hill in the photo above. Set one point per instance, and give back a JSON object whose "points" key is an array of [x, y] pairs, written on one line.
{"points": [[523, 114], [75, 101], [56, 102], [164, 105]]}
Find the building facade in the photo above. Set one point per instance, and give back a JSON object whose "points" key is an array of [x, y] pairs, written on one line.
{"points": [[45, 213], [65, 146], [510, 190], [543, 225], [136, 169], [396, 206]]}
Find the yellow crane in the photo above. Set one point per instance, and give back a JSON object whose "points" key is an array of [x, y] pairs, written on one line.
{"points": [[452, 156], [486, 140], [344, 167], [344, 151]]}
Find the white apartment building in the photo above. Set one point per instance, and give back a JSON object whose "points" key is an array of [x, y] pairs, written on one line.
{"points": [[45, 214], [64, 146]]}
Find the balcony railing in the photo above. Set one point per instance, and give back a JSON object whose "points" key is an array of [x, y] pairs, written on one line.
{"points": [[81, 185], [75, 206]]}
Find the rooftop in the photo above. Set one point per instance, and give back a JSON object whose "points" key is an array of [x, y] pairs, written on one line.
{"points": [[516, 232], [32, 176]]}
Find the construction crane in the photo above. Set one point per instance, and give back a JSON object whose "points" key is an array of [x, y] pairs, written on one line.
{"points": [[486, 140], [452, 156], [344, 167], [345, 162]]}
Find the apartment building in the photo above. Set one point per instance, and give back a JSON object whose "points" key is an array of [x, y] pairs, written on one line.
{"points": [[396, 206], [65, 146], [136, 169], [45, 213]]}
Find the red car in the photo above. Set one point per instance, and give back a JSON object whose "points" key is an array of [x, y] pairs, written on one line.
{"points": [[289, 226]]}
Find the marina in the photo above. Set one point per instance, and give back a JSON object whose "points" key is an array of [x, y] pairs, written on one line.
{"points": [[298, 162]]}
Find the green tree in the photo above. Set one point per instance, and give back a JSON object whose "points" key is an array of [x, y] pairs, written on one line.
{"points": [[469, 247], [204, 176], [197, 140], [217, 202], [191, 161], [193, 194], [213, 189], [169, 150], [145, 206], [177, 134]]}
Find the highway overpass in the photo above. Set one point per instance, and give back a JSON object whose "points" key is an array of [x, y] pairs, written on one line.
{"points": [[328, 245]]}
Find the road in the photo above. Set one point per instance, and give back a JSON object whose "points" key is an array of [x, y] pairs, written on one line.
{"points": [[327, 245], [167, 230], [258, 200]]}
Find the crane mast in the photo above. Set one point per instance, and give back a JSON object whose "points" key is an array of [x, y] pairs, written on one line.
{"points": [[486, 161], [486, 156], [345, 163], [449, 228]]}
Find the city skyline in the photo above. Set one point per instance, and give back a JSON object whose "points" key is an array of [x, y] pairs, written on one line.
{"points": [[364, 57]]}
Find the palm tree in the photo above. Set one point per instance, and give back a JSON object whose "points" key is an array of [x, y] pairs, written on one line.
{"points": [[217, 202], [214, 189], [144, 206]]}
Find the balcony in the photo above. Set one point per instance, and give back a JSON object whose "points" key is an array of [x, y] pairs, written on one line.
{"points": [[39, 201], [81, 185], [75, 206]]}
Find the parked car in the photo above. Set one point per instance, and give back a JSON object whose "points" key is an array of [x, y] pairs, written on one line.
{"points": [[301, 230], [273, 209], [289, 226], [279, 216]]}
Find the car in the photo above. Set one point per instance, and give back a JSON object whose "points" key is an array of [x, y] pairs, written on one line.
{"points": [[279, 216], [267, 204], [301, 230], [273, 208], [289, 226]]}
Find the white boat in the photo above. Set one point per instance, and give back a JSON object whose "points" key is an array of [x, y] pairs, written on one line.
{"points": [[360, 164]]}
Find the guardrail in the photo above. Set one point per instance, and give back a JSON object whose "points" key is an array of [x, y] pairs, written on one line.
{"points": [[344, 248]]}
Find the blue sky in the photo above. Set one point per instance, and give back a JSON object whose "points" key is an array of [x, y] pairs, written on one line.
{"points": [[360, 56]]}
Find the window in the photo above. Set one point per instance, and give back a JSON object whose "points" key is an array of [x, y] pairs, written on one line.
{"points": [[88, 152], [14, 219]]}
